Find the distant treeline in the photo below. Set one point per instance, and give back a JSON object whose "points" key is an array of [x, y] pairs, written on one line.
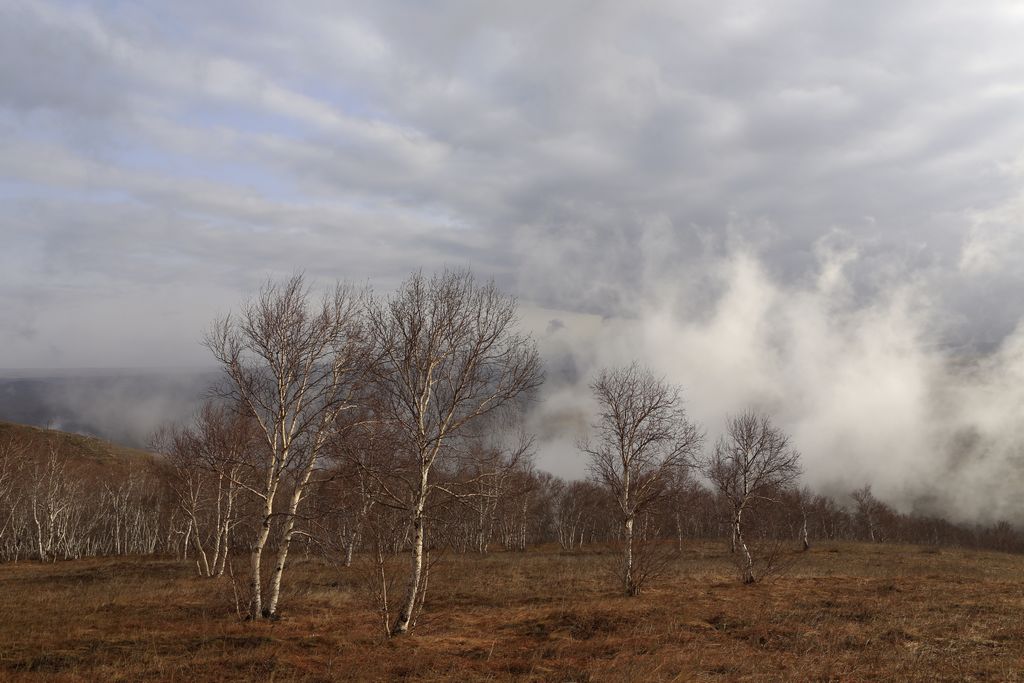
{"points": [[61, 501]]}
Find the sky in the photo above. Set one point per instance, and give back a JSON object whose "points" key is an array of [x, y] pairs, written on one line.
{"points": [[810, 208]]}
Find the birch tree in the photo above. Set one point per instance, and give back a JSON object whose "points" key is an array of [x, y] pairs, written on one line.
{"points": [[209, 461], [486, 472], [867, 511], [12, 454], [751, 463], [293, 366], [642, 438], [449, 353], [804, 498], [360, 457], [52, 498]]}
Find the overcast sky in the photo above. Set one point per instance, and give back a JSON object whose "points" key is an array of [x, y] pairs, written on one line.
{"points": [[809, 207], [158, 159]]}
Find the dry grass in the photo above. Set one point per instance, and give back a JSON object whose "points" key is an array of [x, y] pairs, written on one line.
{"points": [[81, 451], [848, 612]]}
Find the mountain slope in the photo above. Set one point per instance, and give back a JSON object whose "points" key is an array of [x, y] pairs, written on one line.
{"points": [[86, 452]]}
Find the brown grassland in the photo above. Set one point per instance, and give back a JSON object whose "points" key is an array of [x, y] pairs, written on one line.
{"points": [[844, 613], [83, 451]]}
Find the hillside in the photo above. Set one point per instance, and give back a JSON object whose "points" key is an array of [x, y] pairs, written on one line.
{"points": [[66, 496], [80, 451]]}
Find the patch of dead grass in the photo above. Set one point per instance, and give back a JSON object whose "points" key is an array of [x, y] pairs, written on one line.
{"points": [[847, 612]]}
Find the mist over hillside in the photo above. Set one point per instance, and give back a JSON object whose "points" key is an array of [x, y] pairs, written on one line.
{"points": [[123, 406], [864, 384]]}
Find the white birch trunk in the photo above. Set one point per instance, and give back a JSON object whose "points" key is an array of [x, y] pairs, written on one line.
{"points": [[197, 542], [805, 540], [256, 562], [627, 569], [748, 560], [405, 614], [225, 532], [274, 591]]}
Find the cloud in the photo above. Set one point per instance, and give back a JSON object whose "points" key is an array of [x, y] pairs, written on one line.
{"points": [[994, 240], [861, 385], [815, 208]]}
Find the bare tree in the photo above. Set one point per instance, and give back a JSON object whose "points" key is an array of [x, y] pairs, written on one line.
{"points": [[12, 456], [688, 507], [360, 458], [208, 462], [52, 497], [804, 499], [449, 353], [520, 513], [485, 475], [868, 508], [294, 367], [751, 463], [643, 438], [357, 500]]}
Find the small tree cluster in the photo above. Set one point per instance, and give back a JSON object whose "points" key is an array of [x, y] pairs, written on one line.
{"points": [[377, 393]]}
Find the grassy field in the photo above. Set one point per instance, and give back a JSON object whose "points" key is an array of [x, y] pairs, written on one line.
{"points": [[845, 613]]}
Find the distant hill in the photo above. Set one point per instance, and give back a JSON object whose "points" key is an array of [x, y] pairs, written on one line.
{"points": [[81, 452], [123, 406]]}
